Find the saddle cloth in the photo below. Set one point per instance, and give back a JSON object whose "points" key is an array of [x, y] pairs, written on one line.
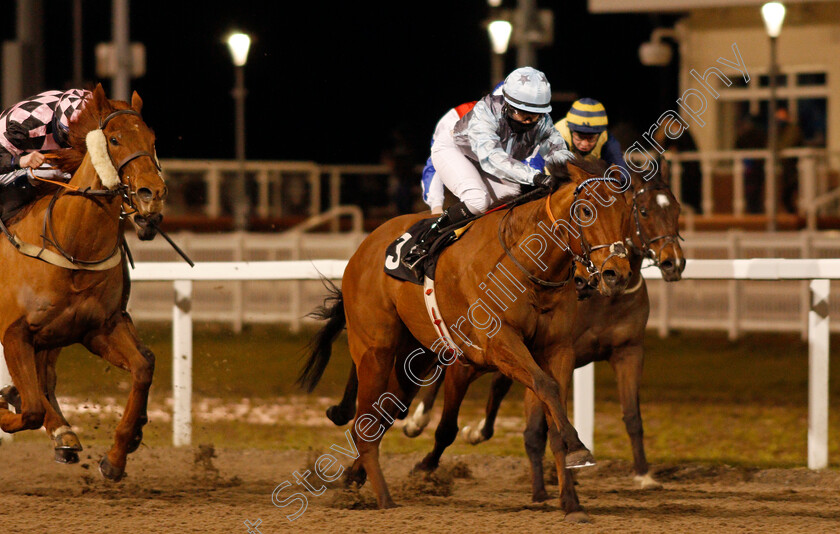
{"points": [[393, 258]]}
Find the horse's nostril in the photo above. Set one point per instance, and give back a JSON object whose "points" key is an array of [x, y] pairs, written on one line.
{"points": [[667, 265], [610, 276], [145, 194]]}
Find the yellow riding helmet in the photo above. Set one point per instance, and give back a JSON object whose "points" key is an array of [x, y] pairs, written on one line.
{"points": [[587, 115]]}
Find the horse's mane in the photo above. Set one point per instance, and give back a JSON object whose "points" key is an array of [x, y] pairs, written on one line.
{"points": [[69, 159]]}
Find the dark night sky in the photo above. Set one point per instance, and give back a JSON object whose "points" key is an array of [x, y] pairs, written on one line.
{"points": [[328, 82]]}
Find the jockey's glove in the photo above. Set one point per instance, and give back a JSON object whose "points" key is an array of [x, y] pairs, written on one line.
{"points": [[546, 181]]}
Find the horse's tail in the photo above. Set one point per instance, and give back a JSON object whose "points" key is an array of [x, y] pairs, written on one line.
{"points": [[320, 347]]}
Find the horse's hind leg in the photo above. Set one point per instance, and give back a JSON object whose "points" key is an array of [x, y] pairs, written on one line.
{"points": [[419, 420], [455, 385], [536, 432], [376, 403], [22, 364], [117, 343], [66, 442], [485, 428], [344, 411]]}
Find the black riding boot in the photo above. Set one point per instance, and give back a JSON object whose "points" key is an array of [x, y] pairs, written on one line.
{"points": [[453, 215]]}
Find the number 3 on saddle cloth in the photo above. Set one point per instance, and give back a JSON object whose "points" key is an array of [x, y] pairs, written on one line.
{"points": [[393, 263]]}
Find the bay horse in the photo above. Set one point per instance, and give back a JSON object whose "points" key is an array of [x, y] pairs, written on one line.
{"points": [[610, 328], [528, 339], [73, 287]]}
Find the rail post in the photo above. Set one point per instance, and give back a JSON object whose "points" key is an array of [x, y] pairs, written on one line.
{"points": [[182, 344], [584, 399], [818, 339]]}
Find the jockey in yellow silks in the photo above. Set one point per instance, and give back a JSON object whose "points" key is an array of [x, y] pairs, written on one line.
{"points": [[585, 131]]}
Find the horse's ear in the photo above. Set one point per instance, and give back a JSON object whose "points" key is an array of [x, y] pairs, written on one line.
{"points": [[100, 101], [665, 171], [136, 102]]}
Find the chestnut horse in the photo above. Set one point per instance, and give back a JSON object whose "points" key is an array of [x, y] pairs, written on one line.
{"points": [[388, 325], [72, 287], [607, 328]]}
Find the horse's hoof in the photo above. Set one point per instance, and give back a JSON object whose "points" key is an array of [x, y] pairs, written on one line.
{"points": [[418, 422], [109, 471], [577, 517], [135, 442], [335, 415], [356, 477], [426, 467], [66, 439], [11, 396], [411, 430], [646, 482], [66, 456], [474, 436], [579, 458], [387, 503], [540, 496]]}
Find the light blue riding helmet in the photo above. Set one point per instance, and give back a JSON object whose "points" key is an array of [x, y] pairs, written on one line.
{"points": [[527, 89]]}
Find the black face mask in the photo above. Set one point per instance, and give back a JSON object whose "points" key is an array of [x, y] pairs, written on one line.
{"points": [[519, 127]]}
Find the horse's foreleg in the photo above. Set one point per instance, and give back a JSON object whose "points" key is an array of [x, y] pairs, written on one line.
{"points": [[419, 420], [536, 432], [485, 428], [627, 362], [66, 442], [456, 382], [512, 358], [560, 364], [344, 411], [23, 367], [568, 496], [117, 343]]}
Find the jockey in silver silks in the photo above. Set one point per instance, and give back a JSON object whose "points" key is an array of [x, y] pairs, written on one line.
{"points": [[480, 159]]}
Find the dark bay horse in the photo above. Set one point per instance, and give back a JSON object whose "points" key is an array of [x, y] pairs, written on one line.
{"points": [[77, 291], [607, 328], [527, 338]]}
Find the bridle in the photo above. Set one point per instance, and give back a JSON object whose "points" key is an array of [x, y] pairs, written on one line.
{"points": [[48, 235], [617, 249], [646, 251]]}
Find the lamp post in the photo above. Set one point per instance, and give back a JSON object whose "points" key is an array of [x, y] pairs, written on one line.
{"points": [[239, 44], [773, 14], [499, 31]]}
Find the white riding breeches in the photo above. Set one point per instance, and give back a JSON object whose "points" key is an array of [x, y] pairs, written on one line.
{"points": [[464, 177]]}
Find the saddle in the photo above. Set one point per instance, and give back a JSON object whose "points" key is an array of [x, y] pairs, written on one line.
{"points": [[15, 196], [393, 264]]}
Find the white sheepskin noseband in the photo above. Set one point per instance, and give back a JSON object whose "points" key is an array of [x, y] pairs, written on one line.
{"points": [[98, 149]]}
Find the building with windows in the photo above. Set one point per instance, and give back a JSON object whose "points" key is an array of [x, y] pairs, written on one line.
{"points": [[709, 39]]}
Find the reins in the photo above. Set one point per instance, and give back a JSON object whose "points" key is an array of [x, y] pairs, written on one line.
{"points": [[48, 235], [616, 249]]}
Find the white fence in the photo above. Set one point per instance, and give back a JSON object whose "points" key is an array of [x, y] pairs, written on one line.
{"points": [[297, 186], [819, 272], [732, 306]]}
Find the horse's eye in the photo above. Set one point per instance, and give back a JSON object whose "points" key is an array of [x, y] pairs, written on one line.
{"points": [[586, 212], [114, 141], [643, 212]]}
